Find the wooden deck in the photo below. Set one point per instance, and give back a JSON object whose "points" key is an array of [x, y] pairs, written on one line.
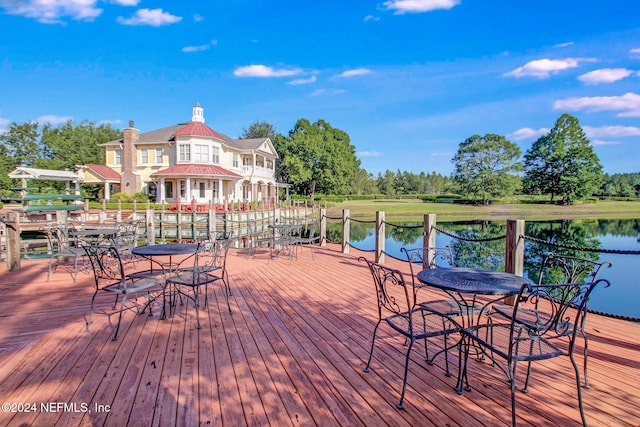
{"points": [[291, 353]]}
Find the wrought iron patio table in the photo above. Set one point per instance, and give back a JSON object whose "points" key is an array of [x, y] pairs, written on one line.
{"points": [[465, 286]]}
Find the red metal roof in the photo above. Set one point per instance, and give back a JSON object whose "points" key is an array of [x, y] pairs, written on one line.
{"points": [[196, 170], [197, 129], [103, 171]]}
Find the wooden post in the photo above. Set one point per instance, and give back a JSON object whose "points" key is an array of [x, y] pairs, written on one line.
{"points": [[13, 241], [151, 227], [429, 239], [514, 247], [380, 236], [119, 213], [346, 230], [211, 221], [514, 250], [323, 227]]}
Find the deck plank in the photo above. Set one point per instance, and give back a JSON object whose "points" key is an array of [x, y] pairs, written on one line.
{"points": [[292, 352]]}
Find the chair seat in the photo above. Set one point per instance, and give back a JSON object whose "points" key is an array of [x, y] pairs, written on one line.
{"points": [[426, 324], [524, 345], [192, 279], [133, 285]]}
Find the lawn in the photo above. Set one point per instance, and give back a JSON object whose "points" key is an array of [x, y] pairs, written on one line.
{"points": [[415, 209]]}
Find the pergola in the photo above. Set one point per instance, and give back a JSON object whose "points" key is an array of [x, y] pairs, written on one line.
{"points": [[24, 174]]}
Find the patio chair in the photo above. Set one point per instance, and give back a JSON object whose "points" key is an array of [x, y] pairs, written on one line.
{"points": [[209, 266], [126, 239], [257, 238], [110, 277], [309, 238], [564, 269], [540, 314], [397, 309], [62, 248]]}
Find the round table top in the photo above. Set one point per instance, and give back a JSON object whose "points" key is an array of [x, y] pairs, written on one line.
{"points": [[470, 280], [166, 249]]}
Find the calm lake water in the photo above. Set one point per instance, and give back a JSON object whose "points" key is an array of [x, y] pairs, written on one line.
{"points": [[621, 298]]}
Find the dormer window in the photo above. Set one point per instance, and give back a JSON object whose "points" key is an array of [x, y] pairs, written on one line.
{"points": [[215, 159], [185, 153]]}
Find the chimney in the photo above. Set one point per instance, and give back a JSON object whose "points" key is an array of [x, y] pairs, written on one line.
{"points": [[129, 179]]}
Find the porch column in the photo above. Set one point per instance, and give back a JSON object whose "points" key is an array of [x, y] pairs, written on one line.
{"points": [[160, 191], [188, 195], [220, 194], [107, 190]]}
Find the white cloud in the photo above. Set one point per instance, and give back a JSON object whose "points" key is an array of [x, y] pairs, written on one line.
{"points": [[199, 48], [543, 68], [628, 104], [264, 71], [563, 44], [418, 6], [152, 17], [442, 154], [53, 120], [3, 125], [611, 131], [311, 79], [371, 18], [198, 18], [354, 72], [126, 2], [602, 142], [109, 122], [52, 11], [528, 133], [327, 92], [369, 154], [604, 75], [635, 51]]}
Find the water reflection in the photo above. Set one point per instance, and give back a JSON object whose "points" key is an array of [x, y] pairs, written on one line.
{"points": [[621, 298]]}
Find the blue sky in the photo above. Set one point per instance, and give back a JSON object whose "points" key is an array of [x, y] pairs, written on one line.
{"points": [[408, 80]]}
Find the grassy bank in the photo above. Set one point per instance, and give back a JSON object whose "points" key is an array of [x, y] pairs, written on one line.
{"points": [[414, 209]]}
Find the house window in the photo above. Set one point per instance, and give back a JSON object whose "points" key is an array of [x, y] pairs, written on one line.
{"points": [[144, 156], [159, 155], [183, 189], [202, 190], [168, 190], [185, 153], [216, 156], [236, 162], [117, 156], [246, 161], [201, 154]]}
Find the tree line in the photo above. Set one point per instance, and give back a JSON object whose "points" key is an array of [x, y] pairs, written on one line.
{"points": [[318, 158]]}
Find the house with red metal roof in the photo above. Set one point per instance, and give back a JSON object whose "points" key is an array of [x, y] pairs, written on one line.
{"points": [[188, 163]]}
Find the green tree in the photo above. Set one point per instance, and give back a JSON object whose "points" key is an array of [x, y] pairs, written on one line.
{"points": [[486, 166], [22, 143], [259, 129], [563, 163], [363, 183], [69, 145], [317, 158]]}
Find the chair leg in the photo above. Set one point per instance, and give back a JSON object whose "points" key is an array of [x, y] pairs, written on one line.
{"points": [[579, 388], [406, 373], [586, 355], [93, 298], [373, 340], [197, 304], [115, 335]]}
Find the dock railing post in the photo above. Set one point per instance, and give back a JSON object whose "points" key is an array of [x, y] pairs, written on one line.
{"points": [[151, 226], [514, 249], [429, 239], [346, 227], [380, 236], [323, 227], [13, 241]]}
